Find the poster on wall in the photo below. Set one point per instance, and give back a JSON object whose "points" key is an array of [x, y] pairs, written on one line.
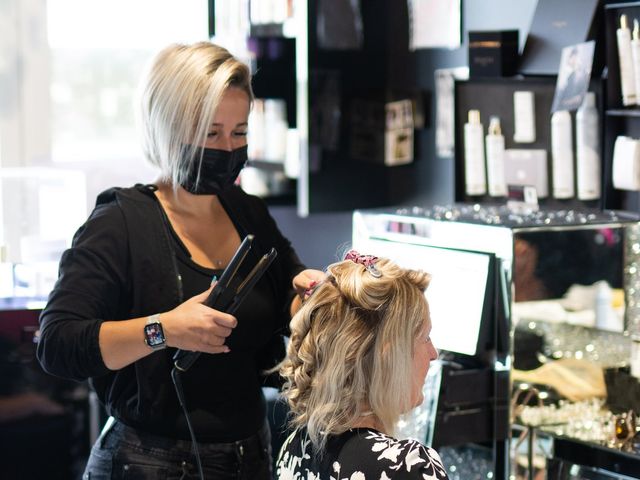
{"points": [[339, 25], [434, 24], [573, 77]]}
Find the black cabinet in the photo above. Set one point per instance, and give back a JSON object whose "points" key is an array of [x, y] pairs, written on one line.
{"points": [[329, 92], [619, 120]]}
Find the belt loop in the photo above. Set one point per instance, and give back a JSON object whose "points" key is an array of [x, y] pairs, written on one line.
{"points": [[108, 426], [240, 457]]}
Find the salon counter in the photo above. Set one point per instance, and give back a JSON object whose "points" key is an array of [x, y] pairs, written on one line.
{"points": [[19, 318], [59, 440], [582, 434], [596, 456]]}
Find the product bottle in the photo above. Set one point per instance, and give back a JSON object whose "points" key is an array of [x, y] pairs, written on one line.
{"points": [[256, 140], [606, 317], [475, 179], [634, 360], [495, 159], [6, 274], [275, 129], [562, 154], [635, 56], [627, 81], [524, 117], [588, 149]]}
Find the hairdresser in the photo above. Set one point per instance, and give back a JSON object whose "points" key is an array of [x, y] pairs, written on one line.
{"points": [[131, 287]]}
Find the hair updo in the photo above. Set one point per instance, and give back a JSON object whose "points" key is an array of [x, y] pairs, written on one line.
{"points": [[351, 348]]}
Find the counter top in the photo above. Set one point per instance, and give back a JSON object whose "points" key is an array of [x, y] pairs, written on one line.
{"points": [[22, 303]]}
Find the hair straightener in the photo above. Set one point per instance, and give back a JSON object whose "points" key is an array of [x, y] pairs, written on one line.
{"points": [[226, 296], [229, 292]]}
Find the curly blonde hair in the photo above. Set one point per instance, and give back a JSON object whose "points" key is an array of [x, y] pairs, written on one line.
{"points": [[351, 348]]}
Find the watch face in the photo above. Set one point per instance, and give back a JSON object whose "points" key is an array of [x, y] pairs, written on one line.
{"points": [[154, 334]]}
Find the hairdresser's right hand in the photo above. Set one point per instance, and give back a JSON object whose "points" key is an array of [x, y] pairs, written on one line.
{"points": [[196, 327]]}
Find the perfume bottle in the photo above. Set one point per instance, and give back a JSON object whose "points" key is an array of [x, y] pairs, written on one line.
{"points": [[562, 155], [627, 82], [475, 178], [495, 159], [588, 149]]}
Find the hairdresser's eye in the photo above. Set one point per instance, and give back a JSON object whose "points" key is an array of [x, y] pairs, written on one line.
{"points": [[241, 133], [212, 134]]}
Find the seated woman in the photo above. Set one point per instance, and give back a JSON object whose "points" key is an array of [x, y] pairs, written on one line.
{"points": [[358, 357]]}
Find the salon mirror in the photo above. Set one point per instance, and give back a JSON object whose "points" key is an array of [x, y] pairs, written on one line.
{"points": [[569, 295], [570, 275]]}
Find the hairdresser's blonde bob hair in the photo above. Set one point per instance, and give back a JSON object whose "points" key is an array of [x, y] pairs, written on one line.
{"points": [[352, 346], [177, 100]]}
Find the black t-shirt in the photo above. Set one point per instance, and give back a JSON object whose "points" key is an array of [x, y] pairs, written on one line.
{"points": [[229, 404], [359, 453]]}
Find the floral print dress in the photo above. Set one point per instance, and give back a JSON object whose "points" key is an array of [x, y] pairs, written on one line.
{"points": [[358, 454]]}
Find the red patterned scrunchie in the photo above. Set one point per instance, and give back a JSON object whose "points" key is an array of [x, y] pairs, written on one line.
{"points": [[368, 261]]}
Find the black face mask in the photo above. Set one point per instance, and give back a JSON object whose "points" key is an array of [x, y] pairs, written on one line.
{"points": [[218, 171]]}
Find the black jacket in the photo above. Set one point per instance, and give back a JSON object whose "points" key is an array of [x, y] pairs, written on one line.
{"points": [[122, 265]]}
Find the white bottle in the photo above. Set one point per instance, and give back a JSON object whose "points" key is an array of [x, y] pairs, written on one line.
{"points": [[275, 130], [6, 274], [602, 304], [635, 56], [562, 154], [495, 159], [588, 149], [256, 137], [606, 317], [524, 117], [627, 81], [475, 179], [634, 357]]}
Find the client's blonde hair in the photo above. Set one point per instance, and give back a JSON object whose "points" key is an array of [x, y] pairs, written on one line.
{"points": [[352, 346]]}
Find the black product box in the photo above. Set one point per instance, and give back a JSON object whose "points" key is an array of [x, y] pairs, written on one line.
{"points": [[479, 424], [493, 53], [473, 406], [623, 390], [556, 25]]}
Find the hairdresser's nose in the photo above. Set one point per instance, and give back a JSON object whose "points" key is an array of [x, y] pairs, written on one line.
{"points": [[226, 143], [433, 352]]}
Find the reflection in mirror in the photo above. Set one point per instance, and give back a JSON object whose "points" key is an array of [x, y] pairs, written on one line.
{"points": [[569, 307], [573, 276], [568, 319], [555, 260]]}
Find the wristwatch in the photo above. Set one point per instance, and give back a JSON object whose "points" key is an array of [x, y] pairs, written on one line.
{"points": [[153, 333]]}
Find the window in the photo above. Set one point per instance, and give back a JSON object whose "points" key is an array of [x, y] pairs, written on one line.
{"points": [[96, 64], [69, 70]]}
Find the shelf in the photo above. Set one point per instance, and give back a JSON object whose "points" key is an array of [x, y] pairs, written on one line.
{"points": [[266, 165], [619, 120], [272, 30], [612, 6], [623, 112]]}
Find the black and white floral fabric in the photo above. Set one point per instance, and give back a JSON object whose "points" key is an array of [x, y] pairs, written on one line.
{"points": [[358, 454]]}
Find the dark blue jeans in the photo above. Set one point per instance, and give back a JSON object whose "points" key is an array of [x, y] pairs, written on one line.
{"points": [[122, 452]]}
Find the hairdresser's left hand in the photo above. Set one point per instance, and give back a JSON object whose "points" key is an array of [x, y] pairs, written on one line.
{"points": [[307, 279], [302, 282]]}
